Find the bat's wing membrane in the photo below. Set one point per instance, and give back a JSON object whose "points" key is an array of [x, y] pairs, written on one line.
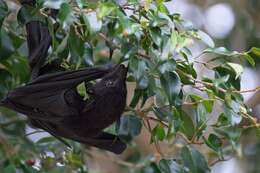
{"points": [[38, 41], [52, 95]]}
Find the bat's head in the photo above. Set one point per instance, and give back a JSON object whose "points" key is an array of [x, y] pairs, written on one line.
{"points": [[113, 82]]}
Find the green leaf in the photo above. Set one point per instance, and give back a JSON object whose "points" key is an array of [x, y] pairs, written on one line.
{"points": [[232, 111], [201, 114], [248, 58], [158, 133], [136, 97], [147, 4], [81, 3], [88, 54], [164, 166], [6, 46], [63, 45], [206, 38], [221, 51], [3, 12], [27, 14], [214, 142], [81, 89], [17, 41], [170, 82], [76, 45], [174, 39], [54, 4], [46, 140], [238, 69], [255, 51], [208, 104], [194, 160], [167, 66], [169, 166], [201, 120], [130, 125], [155, 34], [105, 9], [92, 22], [160, 113], [138, 68], [74, 159], [221, 80], [225, 77], [187, 126], [9, 169], [65, 15], [231, 132], [222, 120]]}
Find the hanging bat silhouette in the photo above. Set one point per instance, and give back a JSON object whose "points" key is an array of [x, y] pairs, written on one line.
{"points": [[52, 103]]}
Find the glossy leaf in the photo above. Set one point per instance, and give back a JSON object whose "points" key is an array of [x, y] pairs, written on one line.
{"points": [[171, 83], [206, 39], [129, 125], [3, 12], [194, 160]]}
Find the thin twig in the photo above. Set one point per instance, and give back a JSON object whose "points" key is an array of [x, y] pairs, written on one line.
{"points": [[219, 160], [248, 90], [34, 132], [156, 145]]}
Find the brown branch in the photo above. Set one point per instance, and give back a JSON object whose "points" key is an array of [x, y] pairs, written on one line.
{"points": [[248, 90], [219, 160], [156, 145]]}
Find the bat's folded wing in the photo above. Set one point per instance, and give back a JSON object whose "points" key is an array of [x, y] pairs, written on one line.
{"points": [[106, 141], [49, 83], [38, 41], [103, 140], [52, 95]]}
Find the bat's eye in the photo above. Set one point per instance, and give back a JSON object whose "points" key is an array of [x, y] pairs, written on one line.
{"points": [[109, 83], [90, 91]]}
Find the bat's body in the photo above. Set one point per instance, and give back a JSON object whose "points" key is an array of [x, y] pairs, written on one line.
{"points": [[105, 107], [52, 103]]}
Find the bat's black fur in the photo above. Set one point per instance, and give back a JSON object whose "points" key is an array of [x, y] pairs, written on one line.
{"points": [[52, 103]]}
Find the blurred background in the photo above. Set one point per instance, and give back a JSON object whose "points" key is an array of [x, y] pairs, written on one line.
{"points": [[234, 24]]}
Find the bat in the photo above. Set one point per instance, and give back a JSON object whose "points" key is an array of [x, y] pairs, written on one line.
{"points": [[105, 107], [52, 97], [52, 103]]}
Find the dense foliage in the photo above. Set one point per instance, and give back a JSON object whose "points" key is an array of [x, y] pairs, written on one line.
{"points": [[169, 93]]}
